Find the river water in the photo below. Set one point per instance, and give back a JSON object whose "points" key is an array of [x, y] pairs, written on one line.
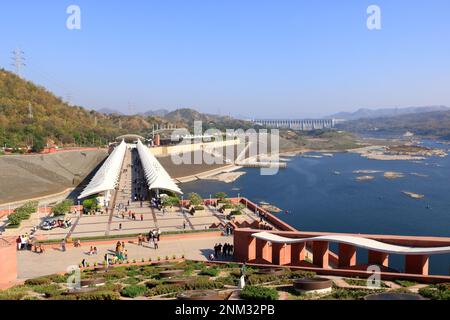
{"points": [[317, 198]]}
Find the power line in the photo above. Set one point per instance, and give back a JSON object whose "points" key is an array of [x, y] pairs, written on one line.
{"points": [[18, 61]]}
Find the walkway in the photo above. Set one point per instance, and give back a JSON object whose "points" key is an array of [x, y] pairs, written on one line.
{"points": [[31, 265]]}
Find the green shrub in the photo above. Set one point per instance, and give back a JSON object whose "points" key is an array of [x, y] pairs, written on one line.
{"points": [[99, 295], [22, 213], [254, 279], [115, 274], [436, 292], [131, 280], [152, 283], [212, 272], [405, 283], [259, 293], [50, 290], [236, 213], [62, 208], [164, 289], [229, 280], [220, 195], [38, 281], [203, 284], [350, 294], [15, 293], [133, 291], [300, 274], [195, 199], [58, 278]]}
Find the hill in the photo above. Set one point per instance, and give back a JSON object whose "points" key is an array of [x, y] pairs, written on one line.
{"points": [[189, 116], [429, 124], [365, 113], [51, 119]]}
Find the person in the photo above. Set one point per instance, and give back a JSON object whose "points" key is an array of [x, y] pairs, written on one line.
{"points": [[140, 240], [215, 249], [91, 251], [95, 250], [231, 248], [211, 257], [142, 217], [123, 244], [156, 244], [106, 258], [120, 226], [225, 250], [63, 245], [219, 249], [126, 254], [19, 243], [184, 225], [84, 263], [158, 234]]}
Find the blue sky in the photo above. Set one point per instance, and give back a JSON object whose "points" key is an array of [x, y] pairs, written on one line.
{"points": [[245, 58]]}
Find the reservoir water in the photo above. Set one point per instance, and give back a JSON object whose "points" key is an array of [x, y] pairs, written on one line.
{"points": [[322, 194]]}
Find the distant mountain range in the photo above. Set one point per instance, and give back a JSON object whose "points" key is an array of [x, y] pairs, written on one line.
{"points": [[365, 113], [434, 124], [156, 113]]}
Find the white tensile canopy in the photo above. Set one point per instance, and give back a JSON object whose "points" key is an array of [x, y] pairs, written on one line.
{"points": [[157, 177], [107, 176]]}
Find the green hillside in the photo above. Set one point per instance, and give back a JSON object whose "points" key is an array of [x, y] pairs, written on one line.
{"points": [[428, 124], [54, 119]]}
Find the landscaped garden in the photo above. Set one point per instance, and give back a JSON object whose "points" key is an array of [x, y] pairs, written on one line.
{"points": [[183, 279]]}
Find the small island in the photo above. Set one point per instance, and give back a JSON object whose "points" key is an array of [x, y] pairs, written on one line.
{"points": [[413, 195], [365, 178], [393, 175]]}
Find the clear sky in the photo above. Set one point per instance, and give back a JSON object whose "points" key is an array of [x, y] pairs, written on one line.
{"points": [[252, 58]]}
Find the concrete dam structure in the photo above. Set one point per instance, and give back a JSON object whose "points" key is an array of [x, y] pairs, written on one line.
{"points": [[297, 124]]}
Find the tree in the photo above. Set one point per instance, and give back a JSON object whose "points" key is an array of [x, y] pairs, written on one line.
{"points": [[38, 143], [62, 208], [170, 201], [195, 199], [90, 204], [220, 195]]}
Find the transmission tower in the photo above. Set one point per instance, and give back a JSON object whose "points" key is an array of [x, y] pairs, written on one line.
{"points": [[30, 111], [18, 61], [130, 109]]}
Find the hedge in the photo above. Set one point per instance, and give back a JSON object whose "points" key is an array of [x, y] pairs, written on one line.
{"points": [[212, 272], [22, 213], [259, 293], [133, 291]]}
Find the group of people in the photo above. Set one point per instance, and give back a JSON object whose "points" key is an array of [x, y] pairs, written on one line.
{"points": [[152, 237], [121, 252], [225, 250], [92, 251], [24, 242]]}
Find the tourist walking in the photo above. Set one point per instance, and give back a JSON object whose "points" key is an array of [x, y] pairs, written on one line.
{"points": [[63, 245]]}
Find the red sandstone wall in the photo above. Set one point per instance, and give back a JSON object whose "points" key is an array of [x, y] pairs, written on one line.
{"points": [[8, 264]]}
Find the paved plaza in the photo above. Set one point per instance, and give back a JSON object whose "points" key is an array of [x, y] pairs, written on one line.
{"points": [[31, 265]]}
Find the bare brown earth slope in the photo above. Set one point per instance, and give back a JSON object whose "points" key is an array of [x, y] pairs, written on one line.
{"points": [[29, 176]]}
